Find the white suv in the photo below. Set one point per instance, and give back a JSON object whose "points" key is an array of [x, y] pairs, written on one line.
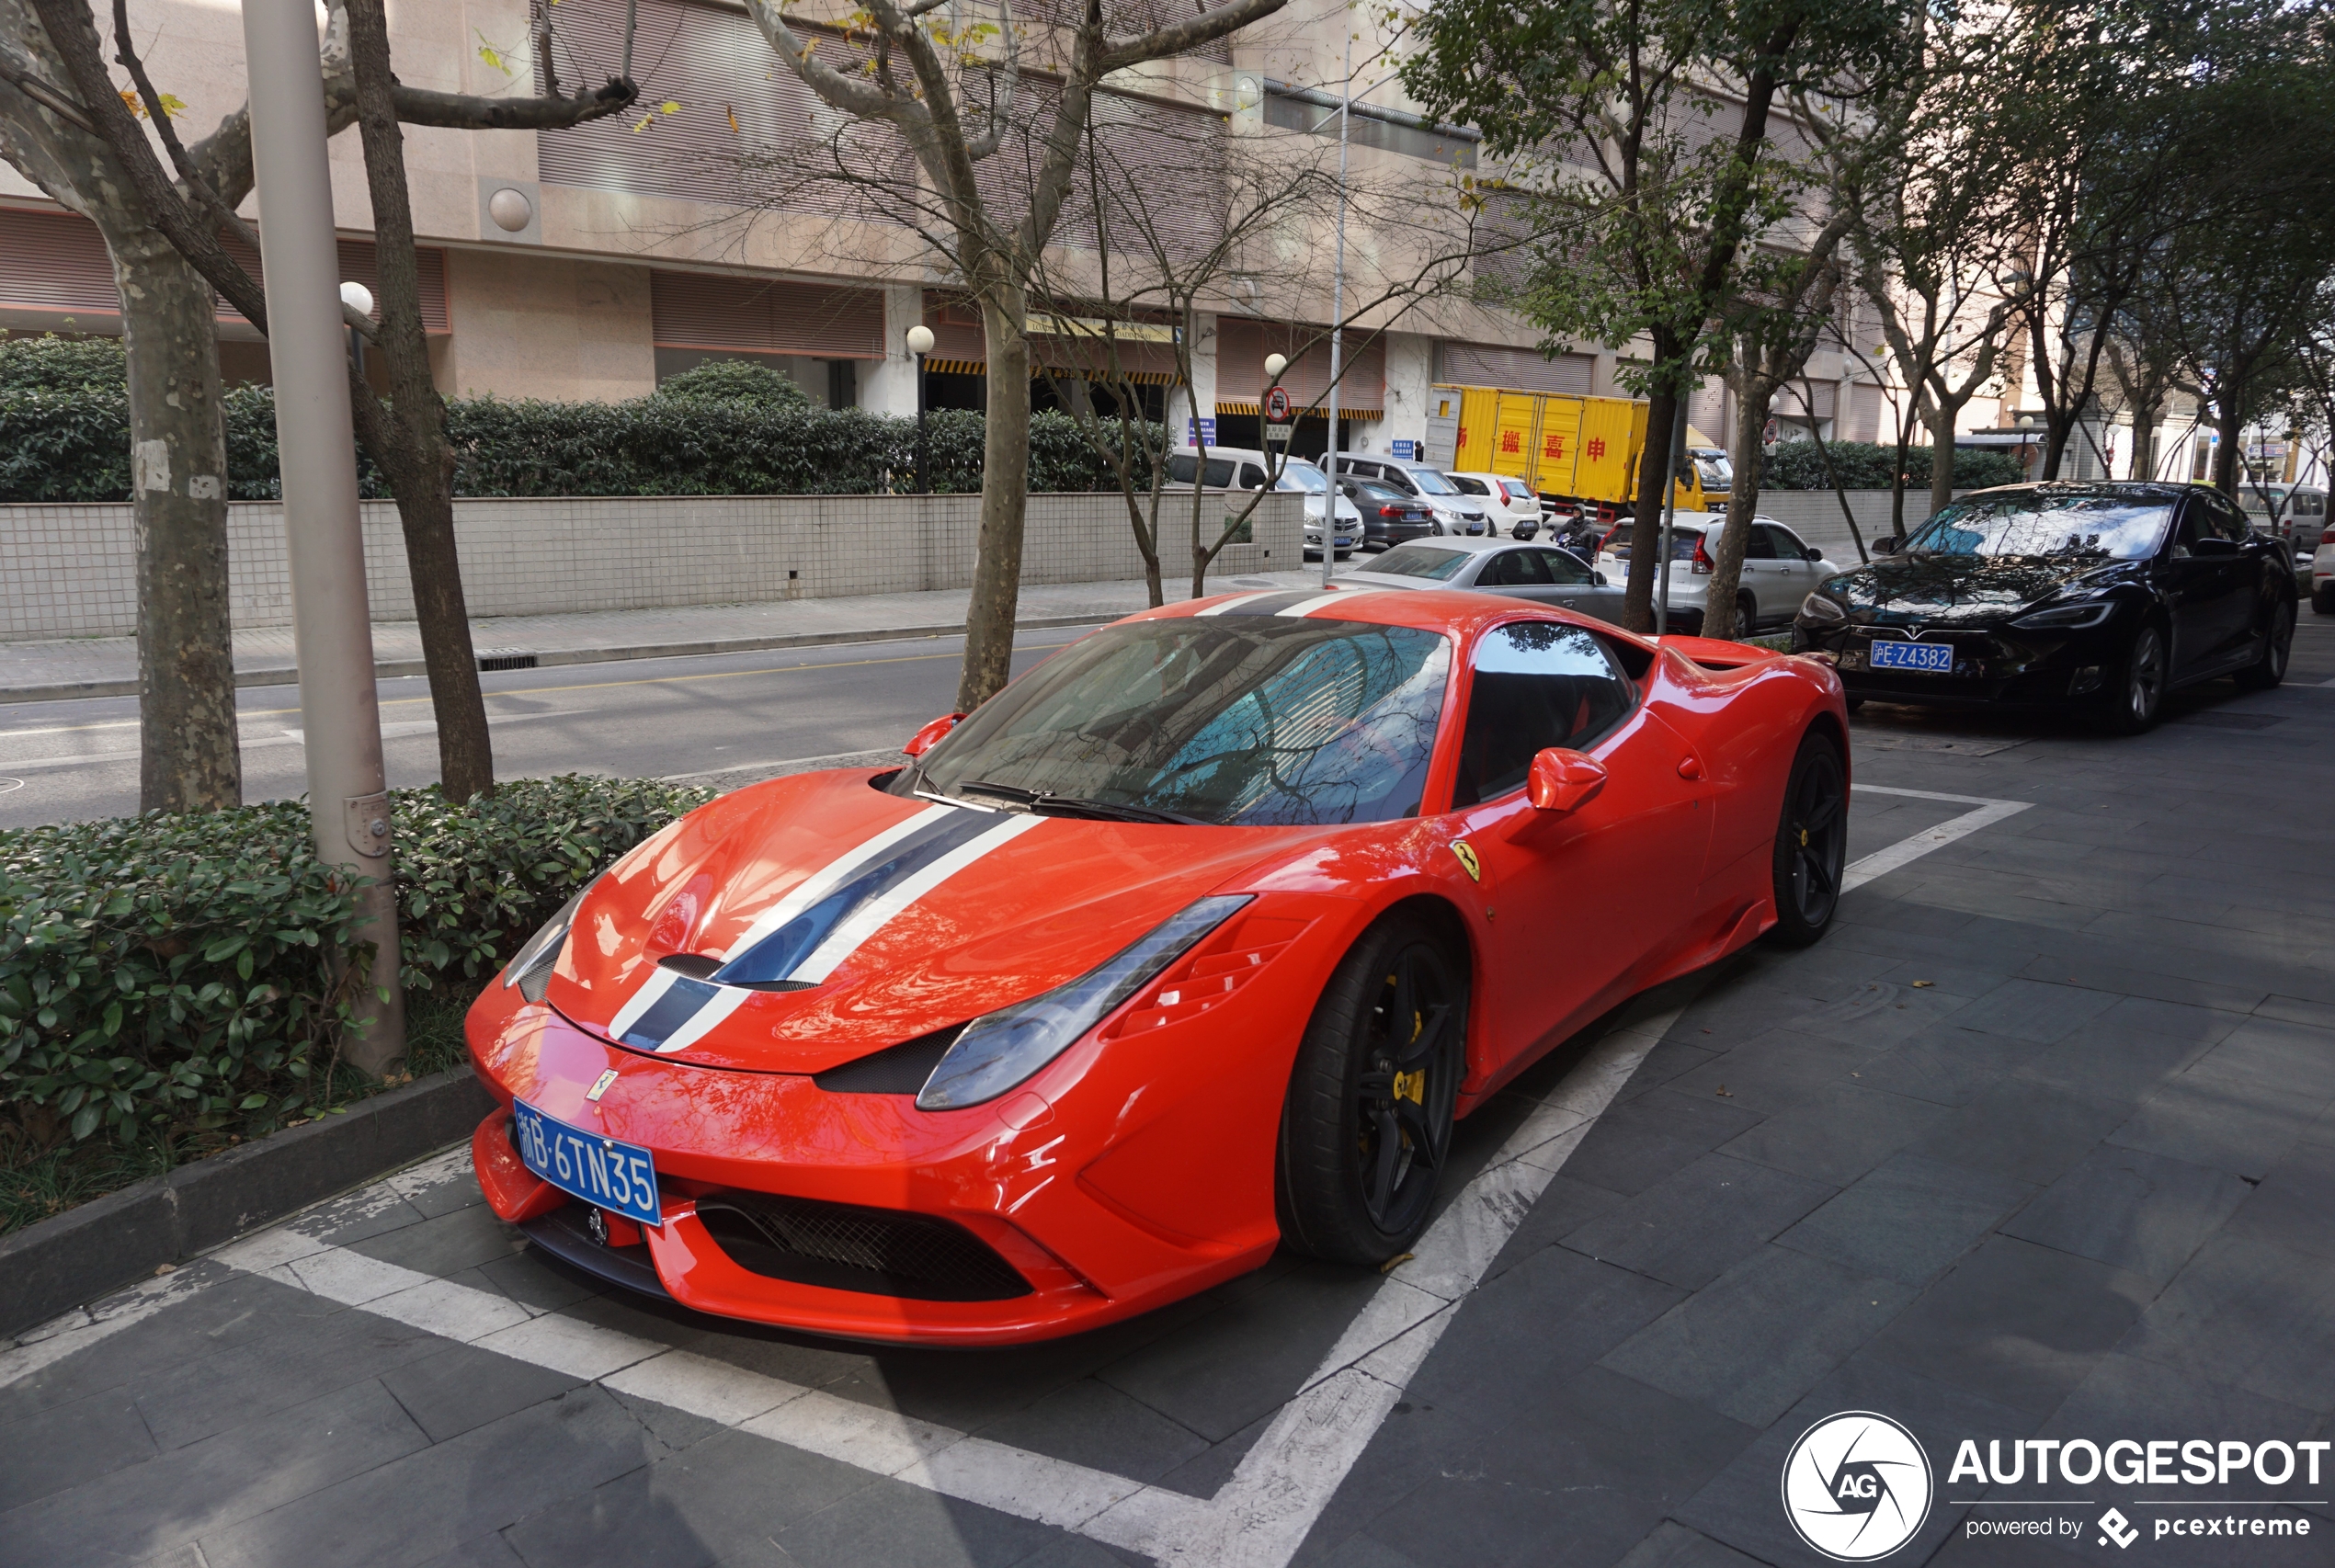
{"points": [[1510, 499], [1779, 571], [1244, 468]]}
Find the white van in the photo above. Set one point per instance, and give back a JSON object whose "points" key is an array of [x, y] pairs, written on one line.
{"points": [[1245, 467]]}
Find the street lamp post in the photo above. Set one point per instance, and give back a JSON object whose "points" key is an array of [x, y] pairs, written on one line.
{"points": [[920, 344], [357, 298], [332, 625]]}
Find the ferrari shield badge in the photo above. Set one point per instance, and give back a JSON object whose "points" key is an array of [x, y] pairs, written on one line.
{"points": [[1466, 853], [599, 1088]]}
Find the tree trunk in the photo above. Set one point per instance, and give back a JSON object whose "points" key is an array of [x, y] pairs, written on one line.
{"points": [[1753, 399], [1653, 490], [187, 759], [1005, 500], [2228, 428], [1942, 458], [420, 466]]}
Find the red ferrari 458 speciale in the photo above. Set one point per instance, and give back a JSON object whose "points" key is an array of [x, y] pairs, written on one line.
{"points": [[1193, 941]]}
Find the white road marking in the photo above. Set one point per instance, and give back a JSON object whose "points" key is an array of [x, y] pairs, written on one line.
{"points": [[1907, 850], [1257, 1520]]}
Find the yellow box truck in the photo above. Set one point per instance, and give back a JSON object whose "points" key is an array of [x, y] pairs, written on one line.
{"points": [[1573, 451]]}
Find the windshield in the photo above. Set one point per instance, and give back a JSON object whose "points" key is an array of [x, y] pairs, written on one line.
{"points": [[1431, 482], [1420, 561], [1246, 720], [2118, 527], [1717, 473], [1303, 475], [1469, 485]]}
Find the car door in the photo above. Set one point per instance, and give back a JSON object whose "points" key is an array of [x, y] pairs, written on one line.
{"points": [[2211, 586], [1761, 569], [1558, 946], [1578, 587], [1795, 573], [2263, 561]]}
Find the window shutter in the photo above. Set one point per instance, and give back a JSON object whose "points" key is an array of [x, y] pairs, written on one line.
{"points": [[55, 261], [765, 315], [1518, 369]]}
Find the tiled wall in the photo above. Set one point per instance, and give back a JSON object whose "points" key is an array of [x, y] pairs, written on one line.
{"points": [[68, 571]]}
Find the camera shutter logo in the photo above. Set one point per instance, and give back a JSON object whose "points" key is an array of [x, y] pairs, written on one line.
{"points": [[1857, 1486]]}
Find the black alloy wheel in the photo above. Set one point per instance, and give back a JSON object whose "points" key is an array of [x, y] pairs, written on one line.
{"points": [[1811, 843], [2278, 642], [1367, 1126], [2137, 695]]}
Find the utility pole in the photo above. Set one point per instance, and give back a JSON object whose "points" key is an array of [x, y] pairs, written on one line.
{"points": [[1337, 311], [332, 625]]}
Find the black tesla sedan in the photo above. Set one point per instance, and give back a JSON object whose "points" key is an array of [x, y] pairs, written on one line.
{"points": [[2098, 597]]}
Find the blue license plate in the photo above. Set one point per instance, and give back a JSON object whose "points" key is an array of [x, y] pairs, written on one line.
{"points": [[1930, 658], [619, 1178]]}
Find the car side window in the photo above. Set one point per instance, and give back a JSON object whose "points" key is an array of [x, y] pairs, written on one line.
{"points": [[1561, 567], [1525, 568], [2228, 520], [2196, 523], [1758, 546], [1787, 543], [1251, 477], [1537, 684]]}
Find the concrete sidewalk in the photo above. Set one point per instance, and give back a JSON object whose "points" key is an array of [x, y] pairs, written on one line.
{"points": [[108, 667]]}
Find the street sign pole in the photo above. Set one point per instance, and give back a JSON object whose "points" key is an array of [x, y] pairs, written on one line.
{"points": [[332, 626]]}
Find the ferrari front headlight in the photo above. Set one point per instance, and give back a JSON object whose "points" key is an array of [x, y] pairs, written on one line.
{"points": [[530, 967], [1002, 1049]]}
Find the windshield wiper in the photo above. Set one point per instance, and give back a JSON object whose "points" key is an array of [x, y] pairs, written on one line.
{"points": [[1045, 802]]}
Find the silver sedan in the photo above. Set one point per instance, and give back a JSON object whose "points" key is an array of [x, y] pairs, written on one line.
{"points": [[1534, 572]]}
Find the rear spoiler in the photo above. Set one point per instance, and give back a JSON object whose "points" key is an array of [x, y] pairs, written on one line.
{"points": [[1713, 654]]}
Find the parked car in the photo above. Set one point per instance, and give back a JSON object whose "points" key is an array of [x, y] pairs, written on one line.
{"points": [[1779, 570], [2323, 575], [2295, 513], [2083, 597], [1243, 468], [1458, 513], [1177, 953], [1510, 499], [1532, 572], [1389, 517]]}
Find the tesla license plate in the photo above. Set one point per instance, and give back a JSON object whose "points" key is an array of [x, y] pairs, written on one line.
{"points": [[619, 1178], [1930, 658]]}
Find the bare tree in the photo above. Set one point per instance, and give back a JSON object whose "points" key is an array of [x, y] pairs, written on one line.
{"points": [[955, 100], [66, 127]]}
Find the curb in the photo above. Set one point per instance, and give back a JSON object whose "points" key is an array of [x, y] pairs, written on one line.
{"points": [[117, 1240], [398, 669]]}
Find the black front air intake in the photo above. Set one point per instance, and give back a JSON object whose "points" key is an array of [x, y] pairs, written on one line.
{"points": [[843, 1247]]}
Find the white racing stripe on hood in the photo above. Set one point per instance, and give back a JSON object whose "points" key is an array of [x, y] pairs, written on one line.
{"points": [[836, 872], [727, 1001], [804, 895], [877, 913]]}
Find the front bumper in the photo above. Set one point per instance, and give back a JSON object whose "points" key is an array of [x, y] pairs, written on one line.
{"points": [[1127, 1174], [1993, 667]]}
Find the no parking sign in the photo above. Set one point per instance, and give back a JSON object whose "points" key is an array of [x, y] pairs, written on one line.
{"points": [[1279, 415]]}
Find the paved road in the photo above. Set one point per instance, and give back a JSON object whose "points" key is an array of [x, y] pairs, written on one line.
{"points": [[2037, 1145], [60, 761]]}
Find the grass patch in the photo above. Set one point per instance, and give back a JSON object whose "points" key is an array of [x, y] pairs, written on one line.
{"points": [[37, 1184]]}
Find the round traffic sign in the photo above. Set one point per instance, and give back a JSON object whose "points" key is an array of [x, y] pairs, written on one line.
{"points": [[1277, 404]]}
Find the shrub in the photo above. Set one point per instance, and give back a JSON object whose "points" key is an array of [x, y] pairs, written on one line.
{"points": [[734, 381], [1861, 465], [163, 972], [50, 363], [73, 444]]}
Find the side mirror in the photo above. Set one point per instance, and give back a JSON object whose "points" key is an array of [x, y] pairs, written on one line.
{"points": [[1814, 554], [1888, 544], [1563, 781], [2211, 546], [1602, 580], [931, 735]]}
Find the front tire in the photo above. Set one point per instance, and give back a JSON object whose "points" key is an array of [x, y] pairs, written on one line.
{"points": [[2323, 599], [1367, 1126], [2137, 695], [2277, 644], [1811, 843]]}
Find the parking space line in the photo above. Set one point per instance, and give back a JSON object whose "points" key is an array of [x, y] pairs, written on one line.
{"points": [[1257, 1520], [1907, 850]]}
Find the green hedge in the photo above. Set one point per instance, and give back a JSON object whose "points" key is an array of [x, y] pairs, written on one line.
{"points": [[1797, 465], [163, 972], [719, 430]]}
